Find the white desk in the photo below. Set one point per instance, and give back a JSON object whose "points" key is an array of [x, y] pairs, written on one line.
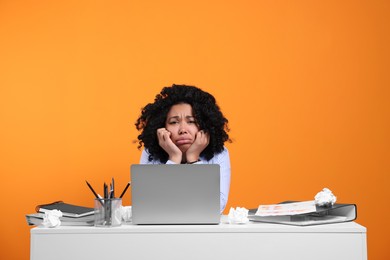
{"points": [[224, 241]]}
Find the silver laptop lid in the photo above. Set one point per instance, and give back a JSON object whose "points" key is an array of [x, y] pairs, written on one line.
{"points": [[175, 193]]}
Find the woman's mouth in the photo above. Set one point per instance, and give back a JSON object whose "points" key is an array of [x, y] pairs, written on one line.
{"points": [[184, 141]]}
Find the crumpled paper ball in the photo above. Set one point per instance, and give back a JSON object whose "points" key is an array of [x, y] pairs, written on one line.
{"points": [[126, 213], [325, 198], [238, 216], [52, 218]]}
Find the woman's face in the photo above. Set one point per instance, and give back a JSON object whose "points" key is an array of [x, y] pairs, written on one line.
{"points": [[182, 125]]}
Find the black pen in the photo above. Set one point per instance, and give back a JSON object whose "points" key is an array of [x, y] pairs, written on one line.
{"points": [[113, 189], [105, 191], [94, 193], [123, 193]]}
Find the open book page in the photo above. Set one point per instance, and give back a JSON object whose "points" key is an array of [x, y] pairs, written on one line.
{"points": [[286, 209]]}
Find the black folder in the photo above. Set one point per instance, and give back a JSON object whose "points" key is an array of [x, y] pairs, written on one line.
{"points": [[336, 213], [68, 210]]}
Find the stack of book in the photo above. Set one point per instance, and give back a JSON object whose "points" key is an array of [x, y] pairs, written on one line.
{"points": [[72, 215], [303, 213]]}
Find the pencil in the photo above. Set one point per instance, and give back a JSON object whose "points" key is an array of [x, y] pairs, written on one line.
{"points": [[94, 193], [124, 191]]}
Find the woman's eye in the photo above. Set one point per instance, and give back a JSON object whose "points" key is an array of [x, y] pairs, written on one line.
{"points": [[192, 122], [173, 122]]}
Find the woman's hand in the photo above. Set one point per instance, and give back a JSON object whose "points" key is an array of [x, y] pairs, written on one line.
{"points": [[201, 142], [164, 140]]}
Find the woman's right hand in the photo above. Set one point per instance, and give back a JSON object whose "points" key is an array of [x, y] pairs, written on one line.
{"points": [[164, 140]]}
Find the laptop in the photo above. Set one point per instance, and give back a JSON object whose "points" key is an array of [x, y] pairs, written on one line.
{"points": [[175, 193]]}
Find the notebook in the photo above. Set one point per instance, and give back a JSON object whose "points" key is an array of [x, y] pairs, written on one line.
{"points": [[175, 193], [68, 210]]}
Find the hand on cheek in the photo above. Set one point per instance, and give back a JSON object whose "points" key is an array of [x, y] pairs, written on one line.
{"points": [[201, 141], [164, 140]]}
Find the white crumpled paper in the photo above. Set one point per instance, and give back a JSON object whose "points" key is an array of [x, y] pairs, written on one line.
{"points": [[325, 198], [238, 216], [52, 218], [126, 213]]}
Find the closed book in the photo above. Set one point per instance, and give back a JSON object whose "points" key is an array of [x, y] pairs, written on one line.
{"points": [[68, 210], [37, 219], [336, 213]]}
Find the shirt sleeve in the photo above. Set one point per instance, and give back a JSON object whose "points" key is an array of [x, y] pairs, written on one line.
{"points": [[145, 159], [223, 159]]}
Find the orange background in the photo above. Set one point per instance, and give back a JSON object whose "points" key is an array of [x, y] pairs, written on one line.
{"points": [[304, 84]]}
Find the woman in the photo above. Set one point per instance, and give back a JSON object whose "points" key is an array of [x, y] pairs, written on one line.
{"points": [[185, 125]]}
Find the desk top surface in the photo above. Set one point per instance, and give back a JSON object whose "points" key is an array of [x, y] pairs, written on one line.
{"points": [[223, 227]]}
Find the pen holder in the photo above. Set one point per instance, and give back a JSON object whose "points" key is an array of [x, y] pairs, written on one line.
{"points": [[108, 212]]}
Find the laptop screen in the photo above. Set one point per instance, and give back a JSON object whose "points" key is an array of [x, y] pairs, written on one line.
{"points": [[175, 193]]}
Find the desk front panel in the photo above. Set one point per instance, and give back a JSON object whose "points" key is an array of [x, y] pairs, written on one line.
{"points": [[198, 245]]}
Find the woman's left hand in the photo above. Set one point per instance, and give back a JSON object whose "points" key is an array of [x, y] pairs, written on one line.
{"points": [[201, 142]]}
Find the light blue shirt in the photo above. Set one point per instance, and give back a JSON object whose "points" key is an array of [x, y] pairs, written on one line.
{"points": [[222, 159]]}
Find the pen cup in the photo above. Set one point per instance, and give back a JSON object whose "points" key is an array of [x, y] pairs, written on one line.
{"points": [[108, 212]]}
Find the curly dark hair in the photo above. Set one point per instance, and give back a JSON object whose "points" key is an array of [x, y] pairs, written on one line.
{"points": [[206, 112]]}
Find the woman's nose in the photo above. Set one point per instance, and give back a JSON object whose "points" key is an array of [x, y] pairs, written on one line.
{"points": [[182, 131]]}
